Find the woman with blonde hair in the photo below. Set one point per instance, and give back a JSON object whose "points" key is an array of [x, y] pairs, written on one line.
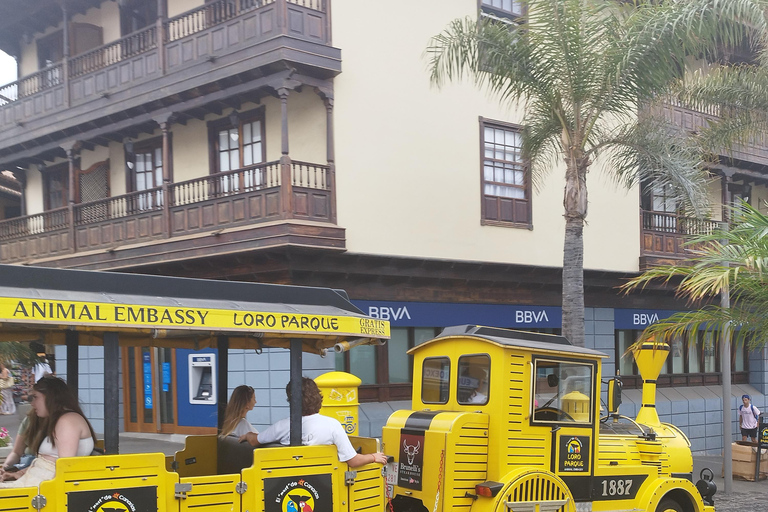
{"points": [[243, 399], [8, 406]]}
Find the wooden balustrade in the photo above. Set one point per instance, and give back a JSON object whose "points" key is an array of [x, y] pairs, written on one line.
{"points": [[247, 179], [20, 227], [118, 206], [44, 79], [307, 15], [208, 15], [309, 175], [243, 197], [126, 47], [678, 224]]}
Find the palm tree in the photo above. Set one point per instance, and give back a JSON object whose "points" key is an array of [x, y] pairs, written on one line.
{"points": [[583, 70], [732, 259]]}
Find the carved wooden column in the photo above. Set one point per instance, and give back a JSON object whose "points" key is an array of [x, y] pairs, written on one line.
{"points": [[286, 180], [331, 157], [65, 63], [22, 179], [162, 10], [165, 125], [72, 148]]}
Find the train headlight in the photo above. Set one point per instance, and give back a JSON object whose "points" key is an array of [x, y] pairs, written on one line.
{"points": [[706, 486], [488, 489]]}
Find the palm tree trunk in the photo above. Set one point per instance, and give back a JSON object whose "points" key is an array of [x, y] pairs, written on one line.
{"points": [[575, 204]]}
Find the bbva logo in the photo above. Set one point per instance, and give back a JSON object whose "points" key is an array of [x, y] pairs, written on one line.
{"points": [[387, 313]]}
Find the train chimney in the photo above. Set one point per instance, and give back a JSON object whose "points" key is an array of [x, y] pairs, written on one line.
{"points": [[650, 357]]}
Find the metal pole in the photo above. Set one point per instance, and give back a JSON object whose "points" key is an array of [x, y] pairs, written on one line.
{"points": [[296, 395], [73, 360], [222, 379], [111, 393], [725, 361]]}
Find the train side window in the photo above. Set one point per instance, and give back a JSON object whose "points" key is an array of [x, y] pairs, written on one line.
{"points": [[563, 392], [435, 379], [472, 384]]}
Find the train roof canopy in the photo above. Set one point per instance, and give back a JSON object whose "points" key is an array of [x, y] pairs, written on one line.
{"points": [[511, 338], [41, 303]]}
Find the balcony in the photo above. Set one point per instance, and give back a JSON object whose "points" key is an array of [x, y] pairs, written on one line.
{"points": [[225, 213], [172, 65], [664, 235], [756, 151]]}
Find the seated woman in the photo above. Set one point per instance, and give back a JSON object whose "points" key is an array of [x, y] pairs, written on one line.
{"points": [[243, 399], [65, 431]]}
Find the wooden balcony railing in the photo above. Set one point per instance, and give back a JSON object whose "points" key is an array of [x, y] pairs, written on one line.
{"points": [[160, 46], [47, 78], [208, 15], [243, 197], [20, 227], [664, 235], [248, 179], [126, 47]]}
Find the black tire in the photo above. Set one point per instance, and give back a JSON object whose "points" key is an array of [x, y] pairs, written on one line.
{"points": [[669, 505]]}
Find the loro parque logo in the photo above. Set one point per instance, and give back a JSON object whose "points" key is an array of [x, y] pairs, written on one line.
{"points": [[303, 494], [137, 499]]}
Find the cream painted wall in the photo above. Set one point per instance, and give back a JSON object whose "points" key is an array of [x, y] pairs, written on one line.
{"points": [[190, 150], [714, 191], [88, 158], [34, 191], [28, 61], [306, 127], [408, 155], [116, 169], [760, 198], [107, 16], [179, 6]]}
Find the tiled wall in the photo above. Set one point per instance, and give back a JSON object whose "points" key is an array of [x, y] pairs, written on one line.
{"points": [[269, 373], [91, 382]]}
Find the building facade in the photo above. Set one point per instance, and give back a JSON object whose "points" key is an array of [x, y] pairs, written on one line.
{"points": [[300, 142]]}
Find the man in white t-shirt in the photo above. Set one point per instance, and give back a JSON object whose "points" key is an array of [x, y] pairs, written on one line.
{"points": [[41, 369], [316, 429], [748, 415]]}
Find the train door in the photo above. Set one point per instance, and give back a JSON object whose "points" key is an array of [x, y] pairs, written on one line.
{"points": [[149, 390], [564, 402]]}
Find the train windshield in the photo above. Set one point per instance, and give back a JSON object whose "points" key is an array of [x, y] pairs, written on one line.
{"points": [[563, 392]]}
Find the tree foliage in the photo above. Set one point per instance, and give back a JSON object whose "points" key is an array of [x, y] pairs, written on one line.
{"points": [[587, 73], [732, 260]]}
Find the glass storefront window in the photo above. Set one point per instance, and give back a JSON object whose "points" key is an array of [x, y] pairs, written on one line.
{"points": [[677, 356], [626, 363], [709, 352], [397, 346], [362, 362]]}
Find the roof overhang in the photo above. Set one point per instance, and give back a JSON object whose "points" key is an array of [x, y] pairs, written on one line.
{"points": [[42, 304]]}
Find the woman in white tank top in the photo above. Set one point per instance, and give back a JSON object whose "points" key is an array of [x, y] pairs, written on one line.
{"points": [[65, 431]]}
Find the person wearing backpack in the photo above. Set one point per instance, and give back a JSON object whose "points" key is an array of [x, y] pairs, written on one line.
{"points": [[748, 415]]}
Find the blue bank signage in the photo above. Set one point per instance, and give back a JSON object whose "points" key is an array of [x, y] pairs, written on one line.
{"points": [[639, 318], [438, 314]]}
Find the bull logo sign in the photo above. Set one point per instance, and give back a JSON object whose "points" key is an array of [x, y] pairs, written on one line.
{"points": [[411, 459]]}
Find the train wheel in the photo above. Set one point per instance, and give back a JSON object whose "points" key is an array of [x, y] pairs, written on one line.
{"points": [[669, 505]]}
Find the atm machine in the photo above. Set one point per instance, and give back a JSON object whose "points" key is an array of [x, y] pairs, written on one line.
{"points": [[202, 378]]}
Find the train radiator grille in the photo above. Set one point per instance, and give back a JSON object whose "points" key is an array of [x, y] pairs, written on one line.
{"points": [[537, 488]]}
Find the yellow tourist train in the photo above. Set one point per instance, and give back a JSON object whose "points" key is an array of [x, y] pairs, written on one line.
{"points": [[502, 421]]}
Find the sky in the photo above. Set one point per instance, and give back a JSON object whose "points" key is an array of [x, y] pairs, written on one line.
{"points": [[7, 68]]}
